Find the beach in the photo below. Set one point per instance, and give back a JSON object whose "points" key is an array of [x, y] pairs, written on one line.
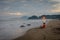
{"points": [[51, 32]]}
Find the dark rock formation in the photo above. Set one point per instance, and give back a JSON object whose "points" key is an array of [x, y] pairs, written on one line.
{"points": [[28, 24], [22, 26]]}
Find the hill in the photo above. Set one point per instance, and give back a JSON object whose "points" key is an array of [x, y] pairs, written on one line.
{"points": [[47, 16]]}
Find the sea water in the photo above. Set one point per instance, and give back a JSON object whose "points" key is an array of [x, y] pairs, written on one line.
{"points": [[10, 29]]}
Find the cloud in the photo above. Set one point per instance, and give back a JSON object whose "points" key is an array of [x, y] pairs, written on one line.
{"points": [[12, 0], [28, 7], [17, 13], [5, 4], [55, 8], [55, 0], [56, 5]]}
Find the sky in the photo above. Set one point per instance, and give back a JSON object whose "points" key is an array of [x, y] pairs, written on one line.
{"points": [[29, 7]]}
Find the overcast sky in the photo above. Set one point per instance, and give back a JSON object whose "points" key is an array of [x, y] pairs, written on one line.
{"points": [[29, 7]]}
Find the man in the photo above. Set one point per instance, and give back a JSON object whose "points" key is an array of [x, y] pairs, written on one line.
{"points": [[43, 21]]}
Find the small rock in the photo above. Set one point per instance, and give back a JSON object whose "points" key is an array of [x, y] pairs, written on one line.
{"points": [[22, 26], [28, 24]]}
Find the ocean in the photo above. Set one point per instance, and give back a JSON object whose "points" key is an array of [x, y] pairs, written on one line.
{"points": [[10, 29]]}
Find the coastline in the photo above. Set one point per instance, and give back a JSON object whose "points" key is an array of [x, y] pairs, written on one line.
{"points": [[48, 33]]}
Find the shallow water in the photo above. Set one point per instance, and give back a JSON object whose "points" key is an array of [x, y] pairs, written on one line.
{"points": [[10, 29]]}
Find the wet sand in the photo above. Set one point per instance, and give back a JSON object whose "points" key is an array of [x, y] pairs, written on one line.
{"points": [[51, 32]]}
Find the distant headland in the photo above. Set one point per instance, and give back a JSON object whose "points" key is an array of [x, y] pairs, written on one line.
{"points": [[47, 17]]}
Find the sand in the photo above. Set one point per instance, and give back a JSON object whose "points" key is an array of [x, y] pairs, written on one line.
{"points": [[51, 32]]}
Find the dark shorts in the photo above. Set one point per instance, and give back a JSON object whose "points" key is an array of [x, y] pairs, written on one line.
{"points": [[43, 23]]}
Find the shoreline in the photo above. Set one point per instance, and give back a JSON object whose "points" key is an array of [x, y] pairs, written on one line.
{"points": [[42, 34]]}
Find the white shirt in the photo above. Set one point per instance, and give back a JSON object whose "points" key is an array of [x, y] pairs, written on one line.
{"points": [[44, 20]]}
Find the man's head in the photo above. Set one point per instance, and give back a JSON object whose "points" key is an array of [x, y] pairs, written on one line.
{"points": [[43, 17]]}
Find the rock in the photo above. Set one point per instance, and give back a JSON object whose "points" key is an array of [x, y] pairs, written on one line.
{"points": [[22, 26], [28, 24]]}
